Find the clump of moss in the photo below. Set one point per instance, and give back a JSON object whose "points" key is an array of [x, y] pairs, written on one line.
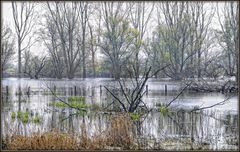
{"points": [[76, 99], [23, 116], [75, 102], [135, 116], [164, 110], [58, 104], [37, 119], [13, 115]]}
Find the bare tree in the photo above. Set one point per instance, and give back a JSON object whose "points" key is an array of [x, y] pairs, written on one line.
{"points": [[117, 36], [84, 17], [23, 15], [7, 47], [140, 15], [66, 19], [134, 90], [199, 32], [181, 36], [49, 36], [93, 48], [33, 65], [228, 36]]}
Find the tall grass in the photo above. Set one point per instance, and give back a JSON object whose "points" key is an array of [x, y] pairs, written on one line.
{"points": [[118, 135], [50, 140]]}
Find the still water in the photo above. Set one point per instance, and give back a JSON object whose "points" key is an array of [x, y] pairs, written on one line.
{"points": [[216, 127]]}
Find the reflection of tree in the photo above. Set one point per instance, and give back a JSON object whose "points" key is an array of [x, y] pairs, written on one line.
{"points": [[19, 103], [53, 119], [70, 127]]}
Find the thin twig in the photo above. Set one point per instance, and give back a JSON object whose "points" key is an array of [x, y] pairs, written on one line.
{"points": [[178, 94]]}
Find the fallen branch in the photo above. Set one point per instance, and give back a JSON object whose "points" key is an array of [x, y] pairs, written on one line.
{"points": [[178, 95], [219, 103]]}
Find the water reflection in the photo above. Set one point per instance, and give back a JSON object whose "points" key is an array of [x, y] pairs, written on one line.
{"points": [[216, 127]]}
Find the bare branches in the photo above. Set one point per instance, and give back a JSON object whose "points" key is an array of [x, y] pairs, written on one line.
{"points": [[207, 107], [7, 47], [24, 24], [133, 96], [178, 94]]}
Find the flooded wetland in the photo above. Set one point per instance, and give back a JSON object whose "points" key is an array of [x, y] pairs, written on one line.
{"points": [[36, 109]]}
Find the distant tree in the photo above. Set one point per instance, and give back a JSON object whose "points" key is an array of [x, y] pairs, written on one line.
{"points": [[84, 8], [7, 47], [65, 17], [33, 65], [139, 17], [229, 36], [117, 36], [48, 34], [93, 48], [181, 37], [23, 15]]}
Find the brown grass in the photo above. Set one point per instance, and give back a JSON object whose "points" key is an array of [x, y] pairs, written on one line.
{"points": [[118, 135], [120, 132], [51, 140]]}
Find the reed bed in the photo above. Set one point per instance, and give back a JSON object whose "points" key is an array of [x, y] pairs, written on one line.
{"points": [[118, 136]]}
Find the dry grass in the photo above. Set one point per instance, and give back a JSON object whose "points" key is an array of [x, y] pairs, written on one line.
{"points": [[51, 140], [118, 135], [120, 132]]}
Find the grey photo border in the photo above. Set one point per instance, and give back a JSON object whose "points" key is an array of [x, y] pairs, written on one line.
{"points": [[238, 79]]}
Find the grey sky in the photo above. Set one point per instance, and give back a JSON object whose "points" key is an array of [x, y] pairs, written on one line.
{"points": [[39, 49]]}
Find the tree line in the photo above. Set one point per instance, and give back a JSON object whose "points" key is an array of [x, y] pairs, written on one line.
{"points": [[108, 39]]}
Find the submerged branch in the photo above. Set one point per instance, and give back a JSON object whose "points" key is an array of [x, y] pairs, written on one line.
{"points": [[207, 107], [178, 94]]}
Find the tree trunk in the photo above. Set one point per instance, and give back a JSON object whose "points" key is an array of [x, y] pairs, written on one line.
{"points": [[84, 55], [199, 64], [93, 65], [19, 59], [237, 46]]}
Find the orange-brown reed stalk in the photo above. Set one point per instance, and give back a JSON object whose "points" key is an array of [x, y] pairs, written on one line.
{"points": [[49, 140], [119, 134]]}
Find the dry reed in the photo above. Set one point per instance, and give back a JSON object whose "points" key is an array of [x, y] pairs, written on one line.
{"points": [[47, 141], [118, 135]]}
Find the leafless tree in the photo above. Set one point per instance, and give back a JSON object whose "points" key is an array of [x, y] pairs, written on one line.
{"points": [[228, 36], [84, 17], [7, 47], [182, 30], [66, 20], [33, 65], [49, 36], [93, 48], [23, 15], [140, 15], [133, 90], [117, 36]]}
